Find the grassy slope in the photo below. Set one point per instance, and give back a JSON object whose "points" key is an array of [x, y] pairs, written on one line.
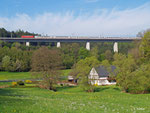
{"points": [[14, 75], [72, 100], [23, 75]]}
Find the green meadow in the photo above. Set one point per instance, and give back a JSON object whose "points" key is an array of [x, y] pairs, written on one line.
{"points": [[106, 99], [25, 75], [15, 75]]}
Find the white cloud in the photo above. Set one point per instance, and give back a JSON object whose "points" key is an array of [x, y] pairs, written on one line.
{"points": [[104, 22]]}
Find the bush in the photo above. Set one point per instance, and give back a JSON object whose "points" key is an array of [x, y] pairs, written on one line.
{"points": [[21, 83], [28, 81], [14, 83], [96, 84], [139, 81]]}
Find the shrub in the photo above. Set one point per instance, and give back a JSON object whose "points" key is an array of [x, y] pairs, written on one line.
{"points": [[14, 83], [28, 81], [20, 83], [96, 84]]}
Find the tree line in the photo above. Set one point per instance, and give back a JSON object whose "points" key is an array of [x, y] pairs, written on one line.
{"points": [[18, 33], [14, 58], [18, 56]]}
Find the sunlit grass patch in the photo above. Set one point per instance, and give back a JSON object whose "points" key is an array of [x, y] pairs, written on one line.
{"points": [[108, 99], [14, 75]]}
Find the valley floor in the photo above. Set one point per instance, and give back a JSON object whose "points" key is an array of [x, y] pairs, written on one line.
{"points": [[107, 99]]}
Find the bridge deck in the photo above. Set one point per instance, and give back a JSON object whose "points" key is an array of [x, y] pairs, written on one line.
{"points": [[66, 39]]}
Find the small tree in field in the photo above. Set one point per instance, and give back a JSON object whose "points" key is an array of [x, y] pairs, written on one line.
{"points": [[47, 64], [81, 71]]}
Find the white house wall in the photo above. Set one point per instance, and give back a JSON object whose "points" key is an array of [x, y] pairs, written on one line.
{"points": [[94, 78], [100, 82], [93, 74], [103, 82]]}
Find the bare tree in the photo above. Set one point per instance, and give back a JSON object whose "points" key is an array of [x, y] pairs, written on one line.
{"points": [[47, 63]]}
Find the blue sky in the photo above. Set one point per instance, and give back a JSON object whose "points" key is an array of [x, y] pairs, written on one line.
{"points": [[76, 17], [34, 7]]}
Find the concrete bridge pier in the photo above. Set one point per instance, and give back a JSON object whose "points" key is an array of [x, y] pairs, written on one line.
{"points": [[58, 45], [115, 47], [27, 43], [88, 45]]}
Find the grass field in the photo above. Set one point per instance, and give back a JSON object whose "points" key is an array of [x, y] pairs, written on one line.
{"points": [[108, 99], [5, 83], [31, 99], [23, 75], [14, 75]]}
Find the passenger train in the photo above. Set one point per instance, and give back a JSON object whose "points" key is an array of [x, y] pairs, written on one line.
{"points": [[75, 37], [53, 37]]}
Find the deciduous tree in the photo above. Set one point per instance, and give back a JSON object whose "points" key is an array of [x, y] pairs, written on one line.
{"points": [[6, 63], [81, 71], [145, 46], [47, 63], [108, 55], [125, 66]]}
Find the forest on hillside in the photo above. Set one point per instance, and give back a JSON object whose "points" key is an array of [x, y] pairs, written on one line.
{"points": [[18, 33], [17, 56]]}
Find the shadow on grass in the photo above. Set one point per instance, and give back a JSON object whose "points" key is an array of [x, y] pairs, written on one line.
{"points": [[99, 89], [102, 88], [77, 89], [13, 98], [117, 89], [64, 88], [23, 86], [8, 92], [6, 101]]}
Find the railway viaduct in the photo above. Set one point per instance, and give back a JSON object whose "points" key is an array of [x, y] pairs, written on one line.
{"points": [[60, 39]]}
